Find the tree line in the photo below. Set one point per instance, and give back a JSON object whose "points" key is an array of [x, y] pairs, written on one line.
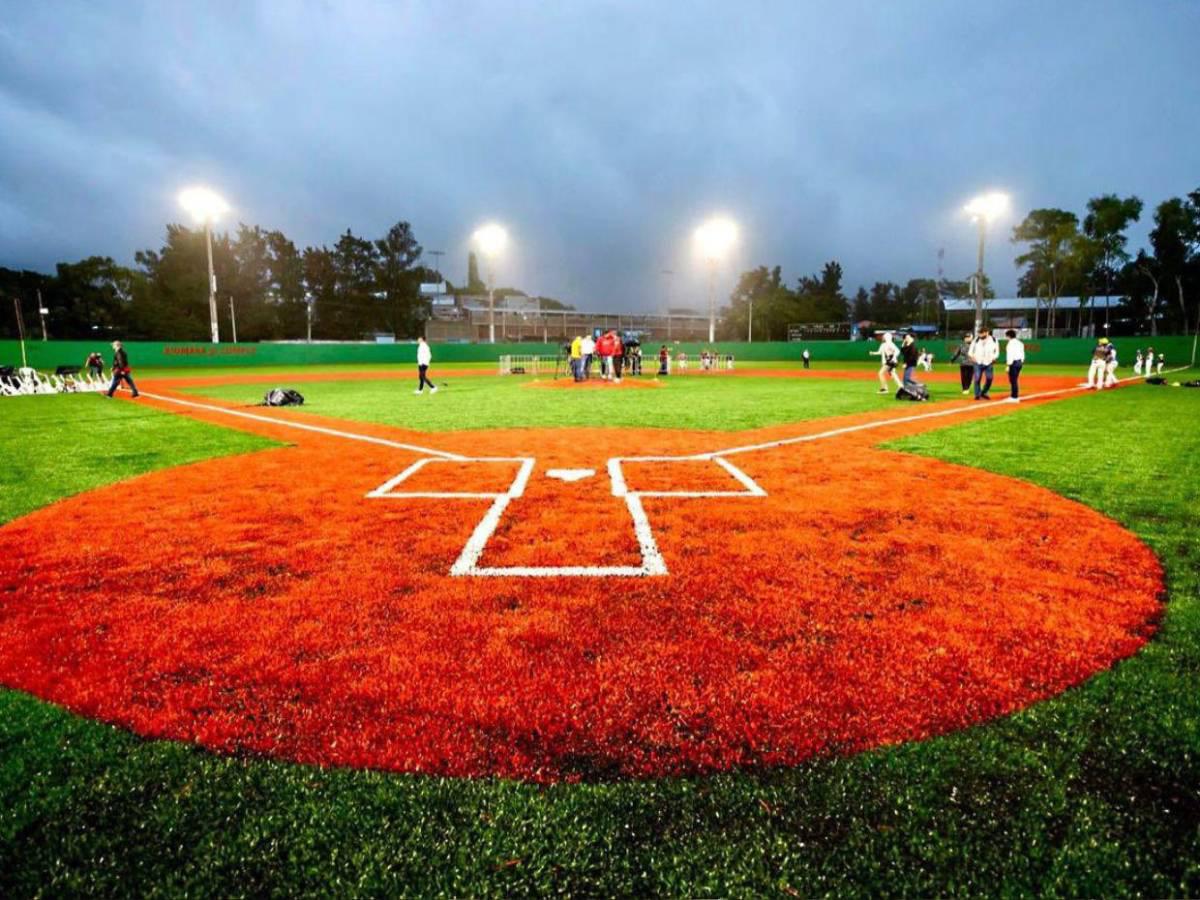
{"points": [[352, 289], [361, 286], [1063, 255]]}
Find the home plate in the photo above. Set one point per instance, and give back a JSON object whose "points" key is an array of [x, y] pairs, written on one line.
{"points": [[570, 474]]}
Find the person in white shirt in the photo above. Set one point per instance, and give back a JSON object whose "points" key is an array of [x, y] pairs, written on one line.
{"points": [[1014, 359], [1150, 361], [1137, 363], [983, 354], [588, 349], [424, 358], [888, 354]]}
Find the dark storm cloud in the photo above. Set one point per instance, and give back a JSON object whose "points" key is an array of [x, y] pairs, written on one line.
{"points": [[600, 134]]}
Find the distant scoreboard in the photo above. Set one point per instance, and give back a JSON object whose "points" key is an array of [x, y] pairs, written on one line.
{"points": [[819, 331]]}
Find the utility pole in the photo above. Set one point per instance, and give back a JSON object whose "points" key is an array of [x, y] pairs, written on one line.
{"points": [[21, 331], [491, 305], [670, 274], [437, 262], [979, 277], [212, 285], [232, 318], [712, 300], [42, 313]]}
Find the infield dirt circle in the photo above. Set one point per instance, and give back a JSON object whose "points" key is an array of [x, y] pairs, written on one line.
{"points": [[264, 604]]}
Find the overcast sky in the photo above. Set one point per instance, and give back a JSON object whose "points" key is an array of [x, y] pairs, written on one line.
{"points": [[600, 134]]}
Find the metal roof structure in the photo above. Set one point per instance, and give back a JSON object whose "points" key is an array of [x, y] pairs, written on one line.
{"points": [[1018, 304]]}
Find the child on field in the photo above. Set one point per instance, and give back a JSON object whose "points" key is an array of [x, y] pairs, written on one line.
{"points": [[888, 354]]}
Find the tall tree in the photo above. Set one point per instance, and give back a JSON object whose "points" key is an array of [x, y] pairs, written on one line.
{"points": [[398, 252], [1052, 257], [1104, 226], [1176, 240]]}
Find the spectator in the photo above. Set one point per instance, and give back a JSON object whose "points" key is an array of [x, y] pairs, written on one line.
{"points": [[908, 350], [576, 357], [588, 349], [966, 370], [1014, 359], [984, 351]]}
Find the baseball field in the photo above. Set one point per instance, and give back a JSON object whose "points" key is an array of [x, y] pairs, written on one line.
{"points": [[754, 632]]}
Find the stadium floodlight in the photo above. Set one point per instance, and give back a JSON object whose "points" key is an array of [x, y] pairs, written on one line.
{"points": [[206, 207], [713, 240], [984, 209], [491, 239]]}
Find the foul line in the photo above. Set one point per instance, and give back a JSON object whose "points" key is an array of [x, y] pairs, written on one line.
{"points": [[332, 432], [884, 423]]}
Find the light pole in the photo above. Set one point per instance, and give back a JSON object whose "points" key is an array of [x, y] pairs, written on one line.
{"points": [[713, 240], [205, 206], [491, 240], [984, 209]]}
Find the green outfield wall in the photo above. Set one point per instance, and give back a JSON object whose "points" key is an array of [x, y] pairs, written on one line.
{"points": [[46, 355]]}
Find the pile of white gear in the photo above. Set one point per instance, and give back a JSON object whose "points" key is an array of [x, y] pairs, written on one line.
{"points": [[27, 381]]}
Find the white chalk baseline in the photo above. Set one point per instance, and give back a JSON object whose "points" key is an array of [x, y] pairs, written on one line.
{"points": [[652, 562]]}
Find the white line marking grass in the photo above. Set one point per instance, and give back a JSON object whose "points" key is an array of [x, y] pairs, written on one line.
{"points": [[302, 426], [653, 563]]}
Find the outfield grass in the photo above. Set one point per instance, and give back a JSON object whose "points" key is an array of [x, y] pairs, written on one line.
{"points": [[699, 402], [1096, 792]]}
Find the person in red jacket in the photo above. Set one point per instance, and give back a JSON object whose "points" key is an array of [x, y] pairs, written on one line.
{"points": [[610, 350]]}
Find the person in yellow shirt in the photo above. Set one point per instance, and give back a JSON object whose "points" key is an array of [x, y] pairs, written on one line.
{"points": [[577, 358]]}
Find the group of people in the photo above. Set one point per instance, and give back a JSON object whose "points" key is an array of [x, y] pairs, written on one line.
{"points": [[710, 361], [976, 356], [1148, 363], [613, 354]]}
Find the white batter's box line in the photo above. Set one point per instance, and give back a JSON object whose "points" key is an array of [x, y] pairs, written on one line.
{"points": [[621, 489], [387, 490]]}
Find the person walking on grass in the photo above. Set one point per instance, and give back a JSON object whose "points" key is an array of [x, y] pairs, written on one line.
{"points": [[966, 371], [984, 351], [888, 354], [908, 350], [806, 356], [1149, 361], [1138, 360], [120, 370], [1014, 360], [424, 358]]}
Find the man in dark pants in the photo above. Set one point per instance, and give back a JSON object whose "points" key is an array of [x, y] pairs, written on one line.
{"points": [[120, 370], [966, 371], [908, 350], [1014, 358], [984, 351]]}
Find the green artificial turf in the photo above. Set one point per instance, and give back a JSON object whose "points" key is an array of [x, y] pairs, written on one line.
{"points": [[1096, 792], [58, 445], [694, 402]]}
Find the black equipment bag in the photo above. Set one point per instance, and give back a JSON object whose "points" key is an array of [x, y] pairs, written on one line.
{"points": [[283, 397], [913, 390], [1156, 379]]}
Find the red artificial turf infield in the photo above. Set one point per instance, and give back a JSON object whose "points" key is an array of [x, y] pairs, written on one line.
{"points": [[261, 604]]}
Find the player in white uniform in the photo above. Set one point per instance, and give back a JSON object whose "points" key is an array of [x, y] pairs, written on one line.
{"points": [[888, 354]]}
